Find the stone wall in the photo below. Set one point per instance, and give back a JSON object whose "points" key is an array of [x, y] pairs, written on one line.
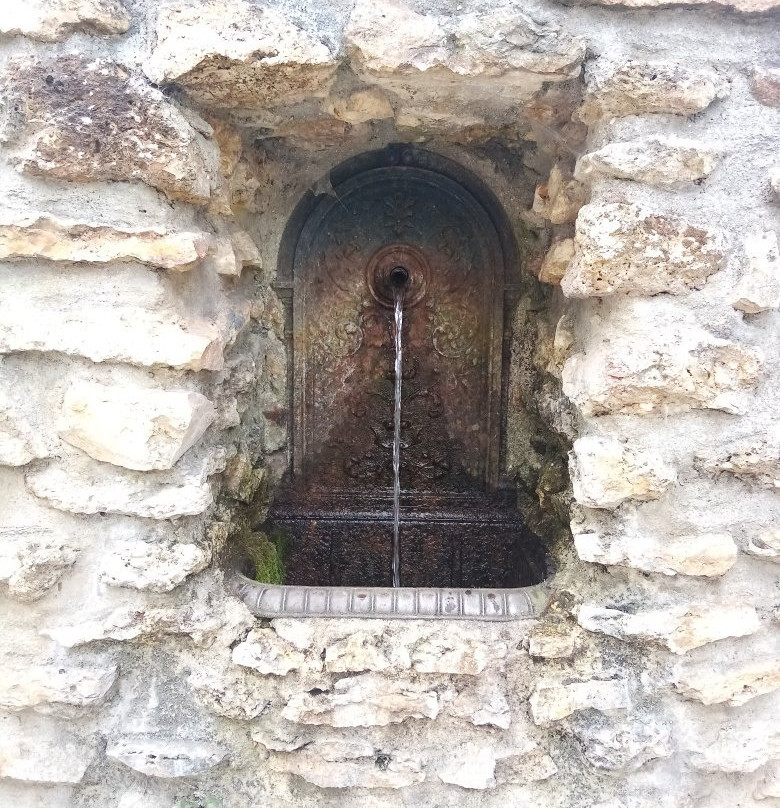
{"points": [[151, 155]]}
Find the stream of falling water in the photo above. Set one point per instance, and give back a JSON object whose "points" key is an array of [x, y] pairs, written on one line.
{"points": [[398, 294]]}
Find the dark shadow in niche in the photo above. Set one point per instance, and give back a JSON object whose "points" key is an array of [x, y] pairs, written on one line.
{"points": [[401, 208]]}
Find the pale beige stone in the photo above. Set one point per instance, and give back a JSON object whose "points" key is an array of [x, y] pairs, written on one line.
{"points": [[166, 757], [33, 559], [552, 641], [765, 80], [272, 62], [606, 472], [442, 653], [369, 104], [758, 288], [678, 628], [152, 566], [557, 261], [135, 427], [774, 181], [755, 458], [83, 486], [769, 785], [300, 633], [652, 356], [560, 200], [532, 765], [337, 763], [365, 701], [132, 132], [554, 700], [617, 89], [737, 748], [267, 653], [38, 754], [627, 248], [766, 545], [232, 253], [483, 704], [33, 237], [705, 554], [658, 160], [733, 683], [52, 688], [469, 765], [54, 20], [19, 443], [360, 652], [231, 692]]}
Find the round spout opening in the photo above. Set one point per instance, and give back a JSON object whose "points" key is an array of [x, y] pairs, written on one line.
{"points": [[399, 277]]}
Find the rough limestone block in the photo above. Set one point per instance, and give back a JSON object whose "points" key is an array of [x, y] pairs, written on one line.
{"points": [[617, 89], [366, 701], [737, 748], [231, 254], [769, 785], [532, 765], [83, 486], [627, 248], [33, 559], [50, 688], [766, 545], [552, 641], [553, 700], [360, 652], [469, 765], [151, 566], [19, 443], [135, 427], [651, 356], [337, 763], [273, 61], [742, 6], [83, 119], [734, 683], [561, 198], [758, 288], [765, 84], [264, 651], [483, 704], [678, 628], [165, 757], [774, 181], [706, 554], [753, 459], [54, 20], [441, 653], [658, 160], [557, 261], [231, 692], [606, 472], [41, 236]]}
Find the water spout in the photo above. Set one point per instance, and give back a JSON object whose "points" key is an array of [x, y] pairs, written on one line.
{"points": [[399, 278]]}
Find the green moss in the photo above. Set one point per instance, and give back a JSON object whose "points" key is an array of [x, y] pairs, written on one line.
{"points": [[267, 553]]}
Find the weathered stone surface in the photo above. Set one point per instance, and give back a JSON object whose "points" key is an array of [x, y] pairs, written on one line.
{"points": [[50, 688], [657, 358], [769, 785], [266, 652], [554, 700], [758, 288], [300, 633], [363, 105], [620, 744], [756, 458], [560, 200], [232, 253], [441, 653], [533, 764], [83, 486], [774, 181], [678, 628], [659, 160], [32, 560], [766, 545], [83, 119], [736, 748], [365, 701], [53, 20], [272, 62], [483, 704], [617, 89], [626, 248], [139, 428], [360, 651], [469, 765], [557, 261], [165, 757], [733, 684], [152, 566], [744, 6], [606, 472], [232, 692], [55, 240], [552, 641], [706, 554], [337, 763], [38, 754], [765, 82], [19, 444]]}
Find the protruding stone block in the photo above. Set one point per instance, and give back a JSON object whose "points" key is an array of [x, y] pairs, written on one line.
{"points": [[266, 652], [165, 757], [758, 288], [765, 82], [360, 652], [766, 545], [733, 683], [606, 472], [83, 119], [552, 701], [483, 704], [557, 261], [658, 160], [617, 89], [678, 628], [50, 688], [755, 458], [54, 20], [740, 746], [552, 641], [32, 560], [19, 443], [444, 654], [232, 692], [626, 248], [152, 566], [135, 427], [470, 766], [706, 554], [561, 198]]}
